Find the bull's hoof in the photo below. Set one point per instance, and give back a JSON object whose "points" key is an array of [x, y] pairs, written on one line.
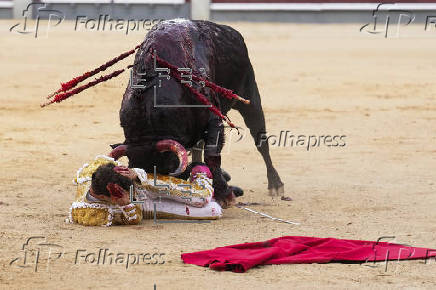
{"points": [[279, 191], [226, 175], [237, 191]]}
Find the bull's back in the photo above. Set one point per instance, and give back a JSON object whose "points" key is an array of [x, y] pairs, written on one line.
{"points": [[217, 51], [231, 65]]}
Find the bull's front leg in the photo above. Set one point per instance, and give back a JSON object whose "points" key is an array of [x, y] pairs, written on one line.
{"points": [[214, 142]]}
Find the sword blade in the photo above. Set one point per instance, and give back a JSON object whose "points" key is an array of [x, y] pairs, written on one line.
{"points": [[268, 216]]}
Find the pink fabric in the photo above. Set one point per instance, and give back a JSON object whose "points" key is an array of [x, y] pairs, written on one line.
{"points": [[200, 169], [302, 250]]}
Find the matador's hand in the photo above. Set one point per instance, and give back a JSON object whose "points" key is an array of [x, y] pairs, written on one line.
{"points": [[127, 172], [118, 194]]}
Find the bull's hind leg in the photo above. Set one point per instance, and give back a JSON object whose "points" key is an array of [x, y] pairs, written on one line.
{"points": [[255, 121]]}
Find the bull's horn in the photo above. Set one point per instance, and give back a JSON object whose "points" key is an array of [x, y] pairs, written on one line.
{"points": [[176, 147], [118, 152]]}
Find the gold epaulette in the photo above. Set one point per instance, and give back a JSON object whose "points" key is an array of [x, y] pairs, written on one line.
{"points": [[91, 214]]}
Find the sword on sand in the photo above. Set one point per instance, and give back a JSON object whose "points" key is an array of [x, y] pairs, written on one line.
{"points": [[268, 216]]}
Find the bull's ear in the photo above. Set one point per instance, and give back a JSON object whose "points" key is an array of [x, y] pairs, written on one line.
{"points": [[115, 190]]}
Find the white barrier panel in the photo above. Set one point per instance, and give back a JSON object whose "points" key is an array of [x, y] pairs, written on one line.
{"points": [[318, 6], [6, 4], [115, 1], [200, 9]]}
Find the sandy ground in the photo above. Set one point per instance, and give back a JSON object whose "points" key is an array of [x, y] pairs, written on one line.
{"points": [[314, 80]]}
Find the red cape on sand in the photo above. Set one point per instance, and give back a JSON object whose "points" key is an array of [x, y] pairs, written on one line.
{"points": [[302, 250]]}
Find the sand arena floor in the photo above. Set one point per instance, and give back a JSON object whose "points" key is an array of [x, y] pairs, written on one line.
{"points": [[314, 80]]}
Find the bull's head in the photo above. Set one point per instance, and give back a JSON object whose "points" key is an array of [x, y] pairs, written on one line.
{"points": [[161, 154]]}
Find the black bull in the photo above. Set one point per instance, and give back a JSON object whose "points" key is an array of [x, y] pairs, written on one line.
{"points": [[151, 111]]}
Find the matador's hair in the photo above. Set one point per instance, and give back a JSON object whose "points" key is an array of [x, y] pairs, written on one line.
{"points": [[105, 175]]}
